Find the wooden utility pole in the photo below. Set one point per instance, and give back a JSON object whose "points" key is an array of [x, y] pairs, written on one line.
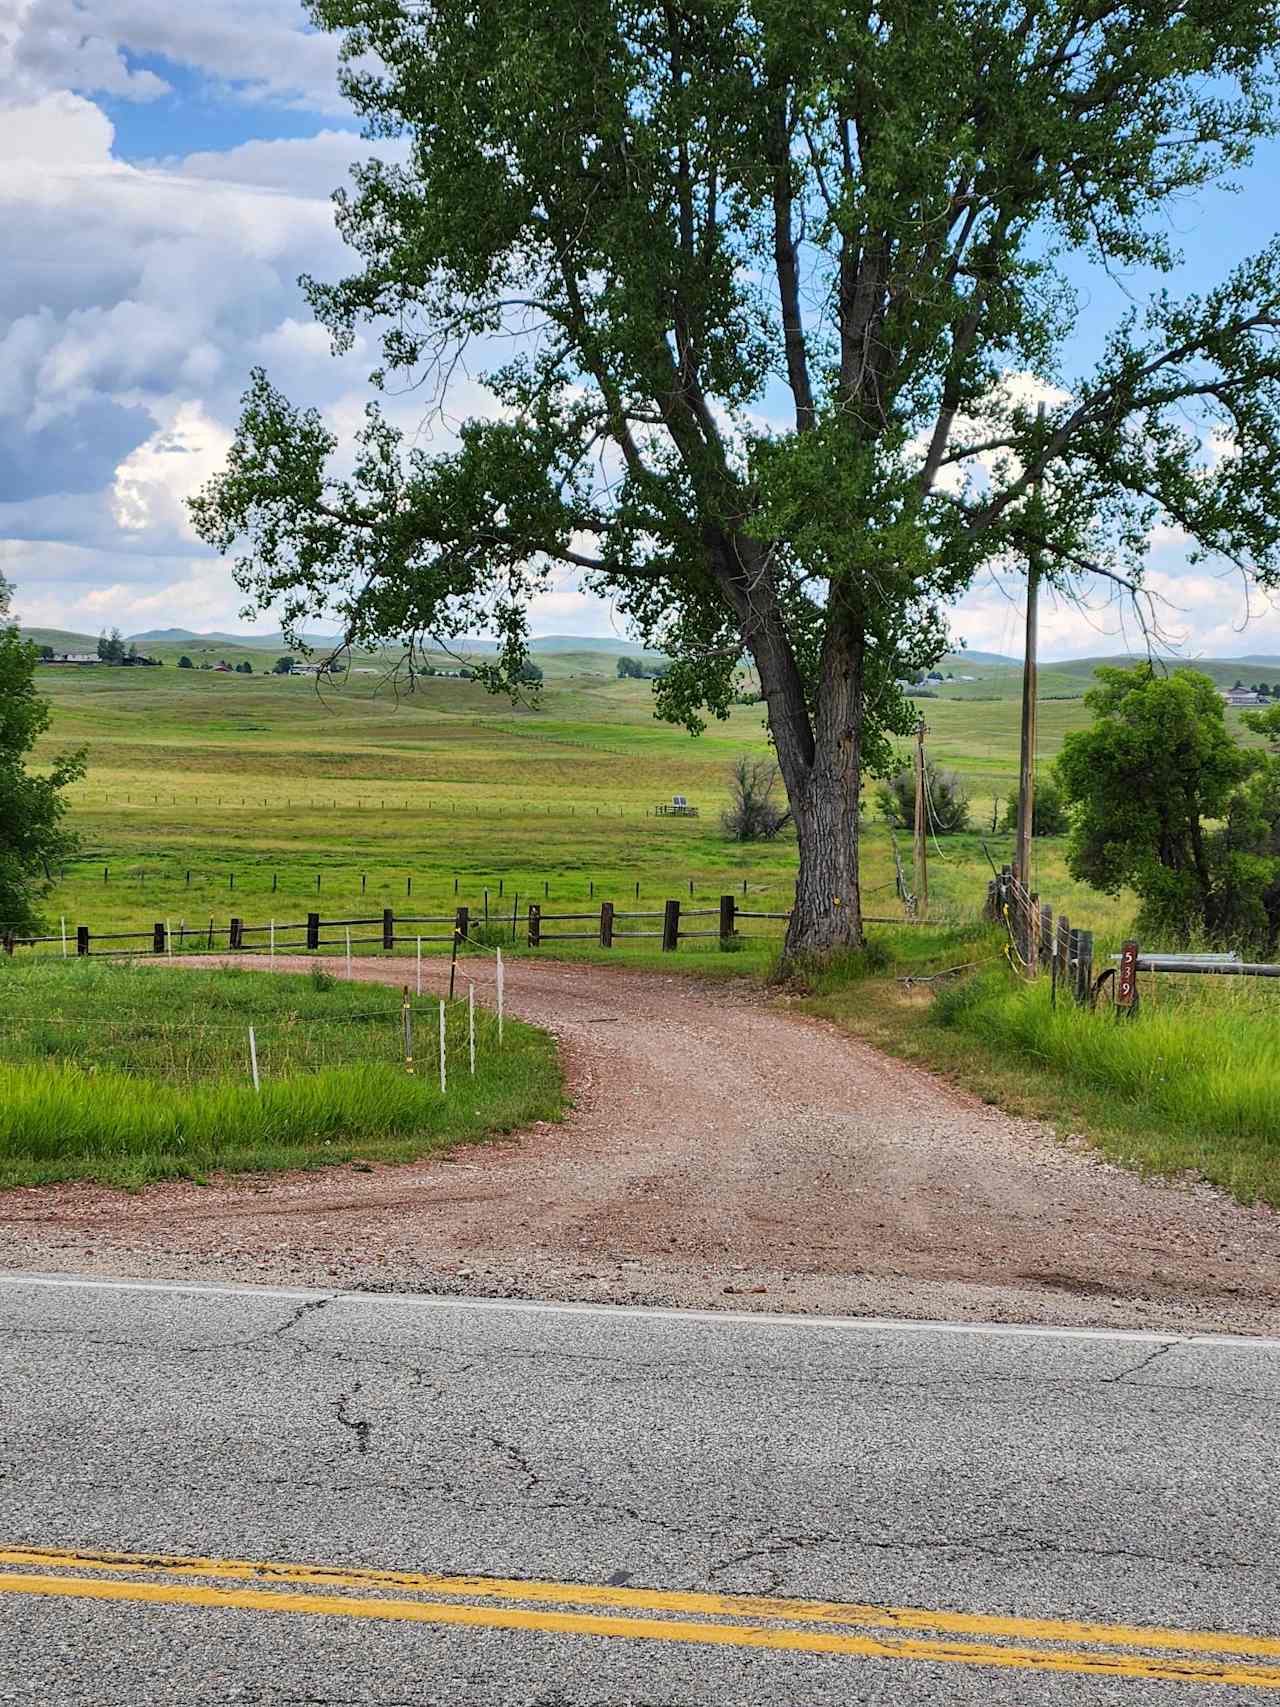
{"points": [[1027, 766], [921, 851]]}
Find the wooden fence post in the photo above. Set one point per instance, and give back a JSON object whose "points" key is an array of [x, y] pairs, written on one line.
{"points": [[535, 924], [462, 923], [606, 924], [728, 912], [313, 930], [157, 938], [1085, 968], [388, 928], [1046, 933], [82, 939], [671, 926], [236, 937], [6, 942], [1032, 955]]}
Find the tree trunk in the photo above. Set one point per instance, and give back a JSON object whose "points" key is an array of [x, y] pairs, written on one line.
{"points": [[819, 755], [828, 906]]}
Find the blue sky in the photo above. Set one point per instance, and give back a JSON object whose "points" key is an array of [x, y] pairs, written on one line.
{"points": [[168, 173]]}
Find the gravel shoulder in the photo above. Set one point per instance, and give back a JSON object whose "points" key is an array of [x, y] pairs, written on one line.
{"points": [[720, 1152]]}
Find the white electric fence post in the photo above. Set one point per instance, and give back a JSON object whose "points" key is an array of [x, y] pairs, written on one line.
{"points": [[419, 965], [500, 996], [253, 1060], [168, 938], [348, 953], [442, 1066], [273, 939], [64, 936], [471, 1024]]}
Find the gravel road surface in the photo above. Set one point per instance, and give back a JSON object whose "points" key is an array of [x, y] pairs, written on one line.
{"points": [[722, 1152], [950, 1497]]}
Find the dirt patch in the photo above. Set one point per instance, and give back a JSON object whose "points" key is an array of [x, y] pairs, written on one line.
{"points": [[721, 1151]]}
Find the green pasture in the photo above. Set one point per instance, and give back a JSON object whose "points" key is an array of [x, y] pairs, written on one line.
{"points": [[209, 796], [128, 1074], [279, 797]]}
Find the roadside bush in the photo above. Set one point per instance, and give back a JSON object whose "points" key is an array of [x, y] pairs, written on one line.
{"points": [[495, 934]]}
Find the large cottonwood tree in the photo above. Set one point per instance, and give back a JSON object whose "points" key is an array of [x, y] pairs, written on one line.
{"points": [[765, 267]]}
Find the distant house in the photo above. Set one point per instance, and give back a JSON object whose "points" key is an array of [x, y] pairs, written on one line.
{"points": [[225, 668], [934, 676], [73, 658], [1241, 696]]}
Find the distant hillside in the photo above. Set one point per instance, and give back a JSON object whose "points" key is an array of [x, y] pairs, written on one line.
{"points": [[992, 658], [185, 637], [61, 639]]}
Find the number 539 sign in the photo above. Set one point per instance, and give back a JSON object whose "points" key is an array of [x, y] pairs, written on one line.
{"points": [[1127, 982]]}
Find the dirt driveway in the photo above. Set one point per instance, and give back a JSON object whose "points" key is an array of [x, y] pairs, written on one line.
{"points": [[721, 1152]]}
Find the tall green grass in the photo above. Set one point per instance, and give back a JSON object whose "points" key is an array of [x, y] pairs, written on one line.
{"points": [[128, 1075], [1195, 1075]]}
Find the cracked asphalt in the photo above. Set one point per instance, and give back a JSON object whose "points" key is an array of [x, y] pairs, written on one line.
{"points": [[1115, 1479]]}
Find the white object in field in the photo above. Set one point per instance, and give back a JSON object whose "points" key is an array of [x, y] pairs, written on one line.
{"points": [[348, 953], [273, 939], [64, 936], [679, 800], [168, 938], [253, 1060], [471, 1023], [499, 995], [442, 1067], [419, 965]]}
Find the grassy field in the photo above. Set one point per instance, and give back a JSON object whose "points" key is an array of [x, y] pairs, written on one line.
{"points": [[125, 1075], [216, 795], [1191, 1086], [276, 797]]}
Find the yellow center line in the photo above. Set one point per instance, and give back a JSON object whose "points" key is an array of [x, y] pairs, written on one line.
{"points": [[1120, 1665], [650, 1600]]}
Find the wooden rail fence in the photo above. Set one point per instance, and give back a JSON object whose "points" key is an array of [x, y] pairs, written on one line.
{"points": [[1041, 944], [607, 925]]}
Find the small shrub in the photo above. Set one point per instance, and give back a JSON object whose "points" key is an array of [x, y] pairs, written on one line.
{"points": [[320, 979], [755, 812], [946, 800], [492, 935], [1048, 811]]}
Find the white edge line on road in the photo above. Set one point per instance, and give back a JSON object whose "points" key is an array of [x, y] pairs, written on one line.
{"points": [[644, 1313]]}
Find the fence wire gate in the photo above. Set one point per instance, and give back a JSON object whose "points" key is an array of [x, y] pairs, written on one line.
{"points": [[200, 1050]]}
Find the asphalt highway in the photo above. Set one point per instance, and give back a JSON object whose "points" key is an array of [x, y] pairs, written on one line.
{"points": [[266, 1496]]}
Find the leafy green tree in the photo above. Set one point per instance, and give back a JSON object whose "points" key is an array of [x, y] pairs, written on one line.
{"points": [[677, 211], [284, 666], [946, 800], [1169, 804], [630, 667], [46, 654], [184, 663], [111, 648], [530, 674], [1048, 811], [32, 837]]}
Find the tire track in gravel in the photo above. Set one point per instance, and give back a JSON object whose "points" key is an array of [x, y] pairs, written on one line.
{"points": [[720, 1151]]}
